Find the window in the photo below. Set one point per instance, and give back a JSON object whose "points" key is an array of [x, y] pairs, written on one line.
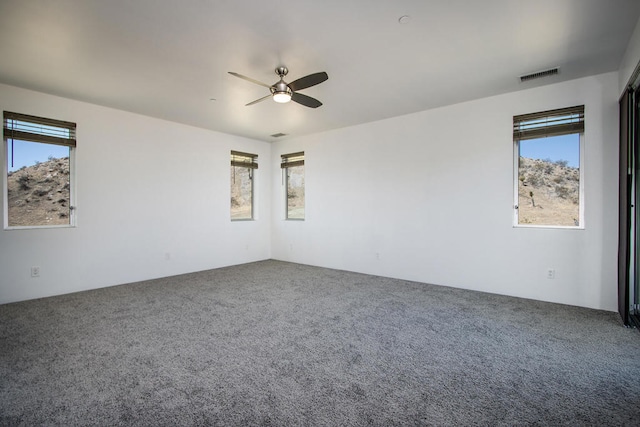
{"points": [[293, 167], [243, 166], [38, 184], [548, 154]]}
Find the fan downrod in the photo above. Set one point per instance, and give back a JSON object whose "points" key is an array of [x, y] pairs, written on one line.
{"points": [[282, 71]]}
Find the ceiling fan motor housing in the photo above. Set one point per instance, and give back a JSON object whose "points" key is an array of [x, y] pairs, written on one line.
{"points": [[281, 92], [280, 87]]}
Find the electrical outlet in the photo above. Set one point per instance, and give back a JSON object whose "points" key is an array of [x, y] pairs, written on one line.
{"points": [[551, 273], [35, 271]]}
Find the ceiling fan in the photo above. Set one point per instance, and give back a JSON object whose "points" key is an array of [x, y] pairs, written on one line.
{"points": [[282, 91]]}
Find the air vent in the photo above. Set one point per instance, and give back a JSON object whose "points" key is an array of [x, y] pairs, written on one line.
{"points": [[278, 135], [540, 74]]}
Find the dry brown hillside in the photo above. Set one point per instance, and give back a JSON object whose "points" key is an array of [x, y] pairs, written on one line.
{"points": [[39, 194], [548, 193]]}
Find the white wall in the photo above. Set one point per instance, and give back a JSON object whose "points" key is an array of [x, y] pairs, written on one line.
{"points": [[145, 188], [630, 60], [431, 195]]}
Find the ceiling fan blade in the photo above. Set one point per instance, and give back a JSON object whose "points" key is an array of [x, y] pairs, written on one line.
{"points": [[258, 100], [305, 100], [308, 81], [249, 79]]}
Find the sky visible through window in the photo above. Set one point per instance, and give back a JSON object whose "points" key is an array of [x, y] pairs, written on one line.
{"points": [[28, 154], [25, 153], [563, 147]]}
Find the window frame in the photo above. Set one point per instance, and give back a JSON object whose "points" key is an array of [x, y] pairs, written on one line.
{"points": [[575, 127], [40, 138], [241, 159], [288, 161]]}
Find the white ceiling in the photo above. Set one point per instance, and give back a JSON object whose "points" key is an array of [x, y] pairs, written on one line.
{"points": [[169, 58]]}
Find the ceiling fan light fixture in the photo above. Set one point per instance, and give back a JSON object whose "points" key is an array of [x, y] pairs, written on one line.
{"points": [[282, 97]]}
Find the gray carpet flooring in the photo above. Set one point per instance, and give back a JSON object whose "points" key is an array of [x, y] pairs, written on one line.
{"points": [[279, 344]]}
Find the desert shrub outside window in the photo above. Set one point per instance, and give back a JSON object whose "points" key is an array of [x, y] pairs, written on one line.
{"points": [[243, 166], [38, 179], [548, 168], [293, 170]]}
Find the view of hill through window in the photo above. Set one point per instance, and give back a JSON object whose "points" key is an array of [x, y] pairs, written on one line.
{"points": [[295, 192], [549, 181], [38, 184], [241, 193]]}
